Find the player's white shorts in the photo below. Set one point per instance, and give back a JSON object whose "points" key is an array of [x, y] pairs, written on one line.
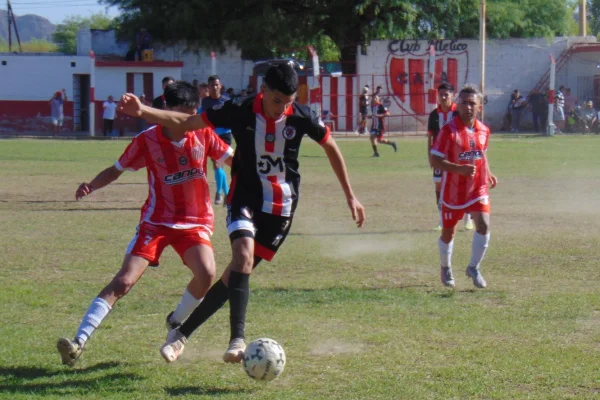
{"points": [[57, 121]]}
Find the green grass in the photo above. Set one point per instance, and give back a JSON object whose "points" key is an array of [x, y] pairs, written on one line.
{"points": [[360, 313]]}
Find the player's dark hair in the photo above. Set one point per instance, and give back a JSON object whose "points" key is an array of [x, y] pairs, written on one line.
{"points": [[446, 86], [470, 88], [181, 93], [213, 78], [167, 79], [283, 78]]}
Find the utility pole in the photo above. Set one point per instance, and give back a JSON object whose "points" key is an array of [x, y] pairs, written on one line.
{"points": [[482, 44], [12, 21], [582, 18]]}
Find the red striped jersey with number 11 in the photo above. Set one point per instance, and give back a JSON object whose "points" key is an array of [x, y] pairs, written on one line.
{"points": [[461, 145]]}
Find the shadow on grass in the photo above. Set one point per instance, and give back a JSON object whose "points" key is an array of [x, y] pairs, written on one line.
{"points": [[21, 380], [198, 391]]}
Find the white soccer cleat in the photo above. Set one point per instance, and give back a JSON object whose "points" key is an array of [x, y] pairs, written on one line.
{"points": [[173, 348], [475, 274], [235, 352], [446, 276], [69, 351]]}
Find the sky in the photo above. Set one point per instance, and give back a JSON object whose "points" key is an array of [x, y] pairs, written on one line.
{"points": [[57, 10]]}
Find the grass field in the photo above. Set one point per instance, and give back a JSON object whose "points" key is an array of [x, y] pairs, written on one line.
{"points": [[360, 313]]}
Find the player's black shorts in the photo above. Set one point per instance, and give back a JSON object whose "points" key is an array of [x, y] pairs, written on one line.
{"points": [[269, 231], [227, 138], [363, 111], [437, 175]]}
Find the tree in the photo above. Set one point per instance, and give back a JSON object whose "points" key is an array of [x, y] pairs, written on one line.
{"points": [[32, 46], [261, 28], [593, 17], [66, 33]]}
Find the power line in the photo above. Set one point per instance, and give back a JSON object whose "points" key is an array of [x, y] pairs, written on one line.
{"points": [[37, 2]]}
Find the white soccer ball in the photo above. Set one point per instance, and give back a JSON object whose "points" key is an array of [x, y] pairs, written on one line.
{"points": [[264, 359]]}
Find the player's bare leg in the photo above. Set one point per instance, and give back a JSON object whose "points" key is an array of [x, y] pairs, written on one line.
{"points": [[389, 143], [200, 260], [131, 271], [373, 139], [481, 239], [446, 245]]}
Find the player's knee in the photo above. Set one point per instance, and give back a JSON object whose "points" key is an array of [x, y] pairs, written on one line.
{"points": [[121, 285], [243, 260], [483, 226]]}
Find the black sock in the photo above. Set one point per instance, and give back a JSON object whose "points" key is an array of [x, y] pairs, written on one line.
{"points": [[375, 149], [215, 298], [239, 291]]}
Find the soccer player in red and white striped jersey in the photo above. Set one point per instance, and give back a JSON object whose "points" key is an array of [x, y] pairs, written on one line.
{"points": [[268, 129], [459, 152], [177, 212]]}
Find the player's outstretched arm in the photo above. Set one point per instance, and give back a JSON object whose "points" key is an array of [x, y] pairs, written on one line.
{"points": [[104, 178], [131, 105], [339, 167]]}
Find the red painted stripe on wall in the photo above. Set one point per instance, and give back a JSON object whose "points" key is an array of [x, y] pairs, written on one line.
{"points": [[349, 102], [334, 99]]}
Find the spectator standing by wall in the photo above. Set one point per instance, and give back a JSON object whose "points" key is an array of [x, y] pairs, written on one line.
{"points": [[518, 106], [559, 110], [110, 109], [57, 112], [536, 104], [363, 108]]}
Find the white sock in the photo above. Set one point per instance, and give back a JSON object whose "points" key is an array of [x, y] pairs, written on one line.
{"points": [[92, 319], [185, 307], [445, 252], [478, 248]]}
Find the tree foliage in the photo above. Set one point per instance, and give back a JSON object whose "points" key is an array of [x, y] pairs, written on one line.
{"points": [[66, 33], [266, 28], [32, 46]]}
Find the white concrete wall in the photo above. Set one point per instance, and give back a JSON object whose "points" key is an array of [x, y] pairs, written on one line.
{"points": [[510, 64], [36, 77], [233, 71], [113, 80]]}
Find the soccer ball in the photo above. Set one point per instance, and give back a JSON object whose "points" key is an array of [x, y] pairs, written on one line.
{"points": [[264, 359]]}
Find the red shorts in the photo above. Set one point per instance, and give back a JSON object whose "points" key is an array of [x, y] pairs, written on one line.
{"points": [[150, 240], [450, 216]]}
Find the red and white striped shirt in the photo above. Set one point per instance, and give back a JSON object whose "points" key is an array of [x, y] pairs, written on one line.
{"points": [[178, 195], [461, 145]]}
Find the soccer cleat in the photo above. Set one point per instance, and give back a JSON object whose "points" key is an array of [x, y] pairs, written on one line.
{"points": [[475, 274], [469, 225], [218, 198], [447, 276], [395, 147], [438, 227], [171, 325], [375, 155], [174, 346], [69, 351], [235, 351]]}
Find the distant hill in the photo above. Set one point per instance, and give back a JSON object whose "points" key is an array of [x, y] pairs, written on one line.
{"points": [[30, 27]]}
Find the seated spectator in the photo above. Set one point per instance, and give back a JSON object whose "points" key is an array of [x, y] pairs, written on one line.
{"points": [[143, 41], [229, 93], [244, 93], [589, 117]]}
